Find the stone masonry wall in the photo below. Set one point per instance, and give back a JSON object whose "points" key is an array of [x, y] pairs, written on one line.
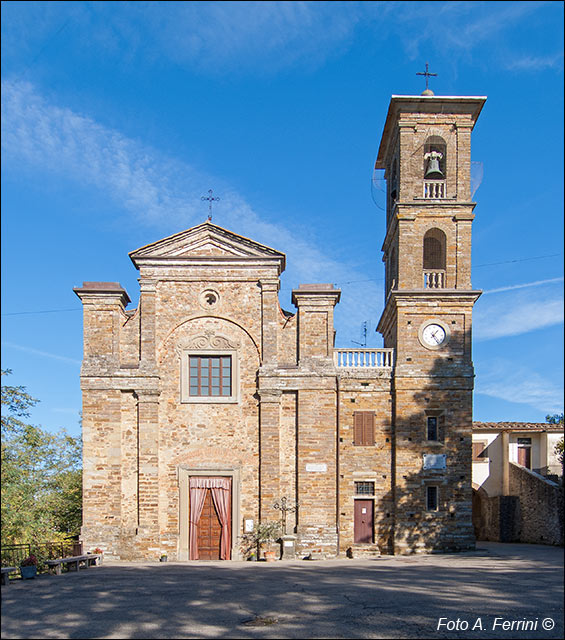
{"points": [[449, 527], [359, 463], [541, 507]]}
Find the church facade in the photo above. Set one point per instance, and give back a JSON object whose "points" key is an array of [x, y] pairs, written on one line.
{"points": [[208, 407]]}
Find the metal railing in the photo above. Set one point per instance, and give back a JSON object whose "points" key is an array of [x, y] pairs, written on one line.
{"points": [[13, 554]]}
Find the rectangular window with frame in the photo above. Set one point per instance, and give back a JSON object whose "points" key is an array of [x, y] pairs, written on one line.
{"points": [[365, 488], [364, 428], [432, 498], [432, 428], [210, 376], [435, 425]]}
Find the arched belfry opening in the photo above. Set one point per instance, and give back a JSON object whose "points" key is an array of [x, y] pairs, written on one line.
{"points": [[434, 259], [435, 167]]}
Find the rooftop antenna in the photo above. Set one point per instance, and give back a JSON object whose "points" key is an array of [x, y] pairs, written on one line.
{"points": [[364, 333], [427, 74], [210, 199]]}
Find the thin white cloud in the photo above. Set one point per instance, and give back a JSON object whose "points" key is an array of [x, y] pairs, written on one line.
{"points": [[158, 191], [41, 354], [512, 318], [537, 63], [518, 309], [503, 379], [537, 283], [235, 37]]}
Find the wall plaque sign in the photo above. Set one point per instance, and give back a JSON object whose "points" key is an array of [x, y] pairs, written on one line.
{"points": [[316, 467], [434, 461]]}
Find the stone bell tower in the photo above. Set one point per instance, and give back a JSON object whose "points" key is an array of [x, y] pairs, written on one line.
{"points": [[425, 152]]}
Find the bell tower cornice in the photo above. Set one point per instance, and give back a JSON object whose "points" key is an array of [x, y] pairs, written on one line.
{"points": [[408, 111]]}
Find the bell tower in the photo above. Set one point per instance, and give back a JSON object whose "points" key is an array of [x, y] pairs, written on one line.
{"points": [[425, 152]]}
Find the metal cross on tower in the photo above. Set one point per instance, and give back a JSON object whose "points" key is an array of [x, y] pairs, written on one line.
{"points": [[210, 199], [427, 74]]}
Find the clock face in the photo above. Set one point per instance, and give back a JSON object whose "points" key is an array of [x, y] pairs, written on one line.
{"points": [[434, 335]]}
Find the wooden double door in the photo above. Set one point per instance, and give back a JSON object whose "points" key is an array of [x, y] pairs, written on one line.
{"points": [[209, 530]]}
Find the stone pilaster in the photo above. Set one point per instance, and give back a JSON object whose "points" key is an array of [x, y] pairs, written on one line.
{"points": [[269, 320], [103, 314], [148, 466], [269, 471], [317, 525], [315, 304], [147, 310]]}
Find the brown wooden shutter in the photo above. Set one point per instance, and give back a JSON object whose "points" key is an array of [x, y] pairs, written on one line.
{"points": [[364, 428], [478, 448], [358, 427], [369, 428]]}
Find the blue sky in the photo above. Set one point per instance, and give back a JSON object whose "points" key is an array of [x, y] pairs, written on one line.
{"points": [[118, 117]]}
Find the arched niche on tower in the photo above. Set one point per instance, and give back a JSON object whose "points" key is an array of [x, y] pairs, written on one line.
{"points": [[434, 259]]}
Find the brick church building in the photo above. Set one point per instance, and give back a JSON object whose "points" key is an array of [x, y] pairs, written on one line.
{"points": [[208, 404]]}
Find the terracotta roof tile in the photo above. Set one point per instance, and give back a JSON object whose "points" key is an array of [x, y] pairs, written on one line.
{"points": [[517, 426]]}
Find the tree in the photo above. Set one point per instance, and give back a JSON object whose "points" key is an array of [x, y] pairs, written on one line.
{"points": [[16, 402], [559, 450], [41, 476], [556, 418]]}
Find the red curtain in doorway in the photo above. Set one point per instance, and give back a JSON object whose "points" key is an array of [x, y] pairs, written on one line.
{"points": [[221, 495]]}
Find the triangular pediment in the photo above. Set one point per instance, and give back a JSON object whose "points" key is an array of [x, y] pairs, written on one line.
{"points": [[207, 240]]}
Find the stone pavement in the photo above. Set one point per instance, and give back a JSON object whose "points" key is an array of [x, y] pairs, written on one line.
{"points": [[388, 597]]}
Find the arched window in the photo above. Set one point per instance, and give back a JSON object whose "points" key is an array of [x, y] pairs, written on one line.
{"points": [[434, 249]]}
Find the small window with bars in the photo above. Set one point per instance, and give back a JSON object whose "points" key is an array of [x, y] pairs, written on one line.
{"points": [[432, 498], [210, 376], [365, 488], [364, 428]]}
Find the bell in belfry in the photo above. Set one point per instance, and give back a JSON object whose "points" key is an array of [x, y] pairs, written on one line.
{"points": [[433, 170]]}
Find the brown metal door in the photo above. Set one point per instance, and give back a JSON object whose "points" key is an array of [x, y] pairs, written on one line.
{"points": [[209, 530], [363, 526]]}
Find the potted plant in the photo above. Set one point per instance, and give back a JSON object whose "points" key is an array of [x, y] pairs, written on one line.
{"points": [[99, 552], [28, 567], [163, 557], [252, 542]]}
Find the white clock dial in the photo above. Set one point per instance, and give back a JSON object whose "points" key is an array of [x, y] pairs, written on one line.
{"points": [[433, 335]]}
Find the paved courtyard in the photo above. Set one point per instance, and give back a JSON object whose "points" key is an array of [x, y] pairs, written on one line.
{"points": [[508, 591]]}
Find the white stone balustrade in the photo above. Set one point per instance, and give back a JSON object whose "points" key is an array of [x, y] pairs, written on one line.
{"points": [[363, 358], [434, 190], [434, 279]]}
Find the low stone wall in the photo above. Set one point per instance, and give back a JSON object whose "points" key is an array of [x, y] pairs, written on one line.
{"points": [[496, 519], [541, 507]]}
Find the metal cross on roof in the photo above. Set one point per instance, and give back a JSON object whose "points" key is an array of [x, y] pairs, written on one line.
{"points": [[427, 74], [210, 199]]}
